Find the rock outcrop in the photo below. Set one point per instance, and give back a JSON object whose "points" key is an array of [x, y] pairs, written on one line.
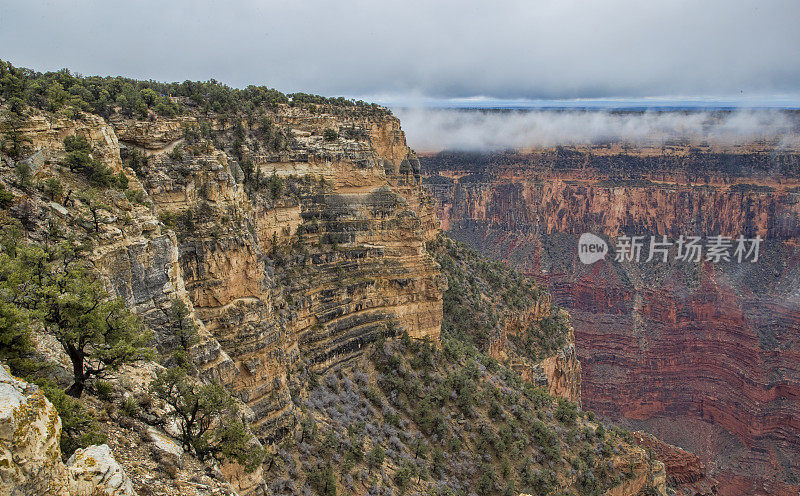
{"points": [[30, 456], [94, 471], [685, 472], [702, 355], [30, 462]]}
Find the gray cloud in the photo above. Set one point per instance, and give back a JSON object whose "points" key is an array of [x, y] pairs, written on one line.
{"points": [[438, 129], [443, 49]]}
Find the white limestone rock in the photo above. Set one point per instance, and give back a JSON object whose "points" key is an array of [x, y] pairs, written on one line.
{"points": [[94, 471]]}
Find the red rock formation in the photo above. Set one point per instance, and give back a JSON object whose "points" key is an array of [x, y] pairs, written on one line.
{"points": [[704, 356], [685, 471]]}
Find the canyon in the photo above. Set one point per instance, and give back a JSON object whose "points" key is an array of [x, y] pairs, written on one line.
{"points": [[702, 355], [326, 302]]}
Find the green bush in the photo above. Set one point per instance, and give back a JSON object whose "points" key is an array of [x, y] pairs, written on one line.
{"points": [[600, 432], [330, 135], [566, 412], [169, 219], [53, 188], [104, 390], [79, 427], [24, 175], [6, 197], [130, 407], [207, 417], [79, 159], [323, 480], [77, 144]]}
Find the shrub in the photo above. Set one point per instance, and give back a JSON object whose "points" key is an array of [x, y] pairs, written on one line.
{"points": [[176, 154], [330, 135], [79, 160], [169, 219], [566, 412], [323, 480], [104, 390], [600, 432], [130, 407], [77, 144], [24, 175], [485, 483], [403, 475], [134, 159], [375, 457], [79, 427], [135, 196], [6, 197], [53, 188]]}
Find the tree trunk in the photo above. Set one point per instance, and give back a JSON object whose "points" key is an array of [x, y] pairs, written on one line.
{"points": [[78, 376], [76, 390]]}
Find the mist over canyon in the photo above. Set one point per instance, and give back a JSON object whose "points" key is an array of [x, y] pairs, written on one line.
{"points": [[436, 129]]}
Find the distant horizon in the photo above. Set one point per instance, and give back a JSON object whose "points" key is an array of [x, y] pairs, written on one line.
{"points": [[624, 104], [477, 129]]}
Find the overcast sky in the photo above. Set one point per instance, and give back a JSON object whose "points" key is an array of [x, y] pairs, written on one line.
{"points": [[412, 49]]}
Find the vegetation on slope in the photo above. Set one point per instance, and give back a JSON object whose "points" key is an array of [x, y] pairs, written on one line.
{"points": [[483, 293], [411, 418], [106, 96]]}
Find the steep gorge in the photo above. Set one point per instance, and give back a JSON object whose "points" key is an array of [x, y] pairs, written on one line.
{"points": [[299, 241], [702, 355]]}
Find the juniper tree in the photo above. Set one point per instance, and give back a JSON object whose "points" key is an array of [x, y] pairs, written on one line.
{"points": [[184, 332], [98, 333], [207, 417], [14, 141], [55, 288]]}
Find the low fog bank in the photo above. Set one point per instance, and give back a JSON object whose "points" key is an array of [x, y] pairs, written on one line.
{"points": [[475, 130]]}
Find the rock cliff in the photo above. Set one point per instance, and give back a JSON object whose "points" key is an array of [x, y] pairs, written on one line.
{"points": [[299, 239], [702, 355], [307, 273]]}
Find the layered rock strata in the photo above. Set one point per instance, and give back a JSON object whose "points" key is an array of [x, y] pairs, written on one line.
{"points": [[702, 355]]}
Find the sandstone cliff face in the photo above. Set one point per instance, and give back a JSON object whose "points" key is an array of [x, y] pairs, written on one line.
{"points": [[297, 277], [305, 279], [702, 356]]}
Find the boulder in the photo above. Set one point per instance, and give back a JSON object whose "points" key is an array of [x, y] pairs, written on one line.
{"points": [[165, 448], [30, 429], [94, 471], [30, 452]]}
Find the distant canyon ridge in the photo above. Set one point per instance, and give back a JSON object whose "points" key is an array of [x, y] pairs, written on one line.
{"points": [[704, 356]]}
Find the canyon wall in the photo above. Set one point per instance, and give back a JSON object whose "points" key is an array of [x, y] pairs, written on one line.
{"points": [[295, 240], [702, 355], [294, 277]]}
